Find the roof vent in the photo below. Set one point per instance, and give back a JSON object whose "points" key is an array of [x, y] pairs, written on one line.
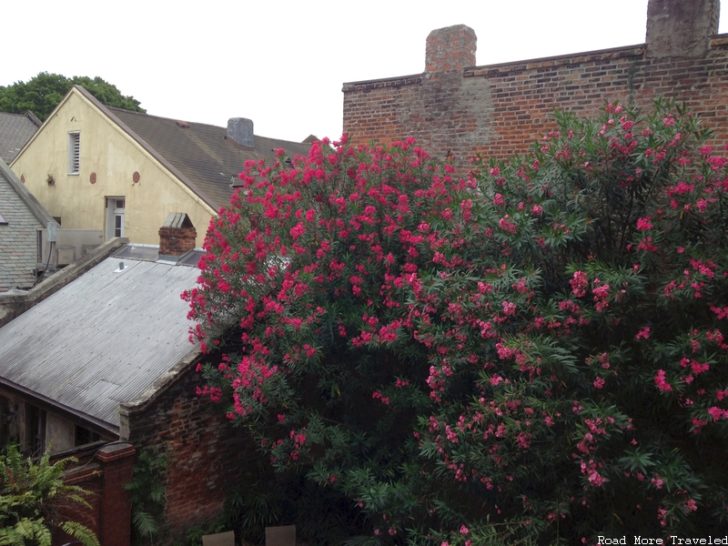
{"points": [[241, 131], [120, 267]]}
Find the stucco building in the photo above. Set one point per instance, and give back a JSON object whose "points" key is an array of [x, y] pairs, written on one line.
{"points": [[104, 172]]}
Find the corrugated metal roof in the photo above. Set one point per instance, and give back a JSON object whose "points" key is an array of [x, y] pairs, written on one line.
{"points": [[101, 340]]}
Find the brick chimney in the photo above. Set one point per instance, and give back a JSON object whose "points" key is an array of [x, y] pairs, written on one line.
{"points": [[450, 49], [177, 236], [241, 131], [680, 28]]}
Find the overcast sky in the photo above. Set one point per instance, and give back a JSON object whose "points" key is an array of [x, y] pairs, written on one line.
{"points": [[282, 63]]}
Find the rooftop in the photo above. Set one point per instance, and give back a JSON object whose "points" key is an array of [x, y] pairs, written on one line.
{"points": [[104, 338], [15, 131]]}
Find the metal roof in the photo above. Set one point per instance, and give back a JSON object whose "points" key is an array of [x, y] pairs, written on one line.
{"points": [[101, 340]]}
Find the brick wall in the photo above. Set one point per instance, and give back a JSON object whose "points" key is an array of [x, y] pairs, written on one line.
{"points": [[499, 110], [175, 241], [102, 473], [198, 443]]}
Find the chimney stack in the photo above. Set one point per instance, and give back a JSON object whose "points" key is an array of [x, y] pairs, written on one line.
{"points": [[241, 131], [680, 28], [450, 49], [176, 237]]}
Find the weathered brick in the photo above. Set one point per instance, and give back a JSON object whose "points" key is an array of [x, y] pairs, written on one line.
{"points": [[498, 110]]}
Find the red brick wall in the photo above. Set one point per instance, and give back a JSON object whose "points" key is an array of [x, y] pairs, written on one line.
{"points": [[201, 447], [103, 474], [175, 241], [501, 109]]}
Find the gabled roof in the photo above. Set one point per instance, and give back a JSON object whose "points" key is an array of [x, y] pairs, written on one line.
{"points": [[103, 339], [27, 198], [201, 156], [15, 131]]}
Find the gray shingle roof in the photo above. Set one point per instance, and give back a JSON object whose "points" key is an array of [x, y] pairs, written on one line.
{"points": [[200, 155], [15, 131], [103, 339]]}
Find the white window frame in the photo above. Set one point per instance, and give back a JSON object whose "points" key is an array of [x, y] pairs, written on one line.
{"points": [[115, 216], [74, 153]]}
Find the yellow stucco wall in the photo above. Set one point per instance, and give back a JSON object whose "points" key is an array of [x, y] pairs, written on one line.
{"points": [[114, 158]]}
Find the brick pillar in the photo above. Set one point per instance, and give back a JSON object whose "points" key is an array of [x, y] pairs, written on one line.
{"points": [[176, 236], [450, 49], [681, 28], [117, 464]]}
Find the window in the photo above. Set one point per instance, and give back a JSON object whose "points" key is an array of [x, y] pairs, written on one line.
{"points": [[114, 217], [35, 430], [85, 436], [7, 420], [74, 153]]}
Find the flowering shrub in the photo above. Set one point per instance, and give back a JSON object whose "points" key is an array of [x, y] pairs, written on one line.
{"points": [[536, 352]]}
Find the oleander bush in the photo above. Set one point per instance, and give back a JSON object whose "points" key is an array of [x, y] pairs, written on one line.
{"points": [[534, 352]]}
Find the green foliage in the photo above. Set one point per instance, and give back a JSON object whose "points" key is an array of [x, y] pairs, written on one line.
{"points": [[42, 93], [147, 491], [30, 494], [532, 354]]}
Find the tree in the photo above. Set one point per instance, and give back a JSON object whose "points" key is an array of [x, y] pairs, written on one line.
{"points": [[42, 93], [532, 353], [30, 495]]}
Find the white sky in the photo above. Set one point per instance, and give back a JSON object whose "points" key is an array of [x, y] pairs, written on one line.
{"points": [[282, 63]]}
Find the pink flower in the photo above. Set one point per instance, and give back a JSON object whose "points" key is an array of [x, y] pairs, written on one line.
{"points": [[599, 383], [601, 295], [523, 440], [644, 223], [506, 225], [297, 230], [509, 308], [596, 479], [717, 413], [647, 245], [661, 381], [644, 333], [579, 283]]}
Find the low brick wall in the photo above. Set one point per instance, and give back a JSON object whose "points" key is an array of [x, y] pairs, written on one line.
{"points": [[104, 474]]}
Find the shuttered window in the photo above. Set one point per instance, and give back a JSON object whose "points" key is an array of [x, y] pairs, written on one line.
{"points": [[74, 153]]}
